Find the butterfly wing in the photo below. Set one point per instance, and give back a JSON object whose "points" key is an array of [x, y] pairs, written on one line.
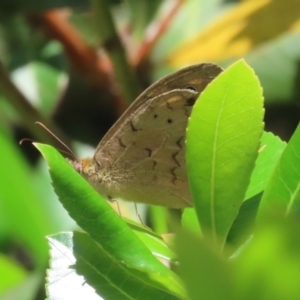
{"points": [[194, 77], [145, 159], [142, 158]]}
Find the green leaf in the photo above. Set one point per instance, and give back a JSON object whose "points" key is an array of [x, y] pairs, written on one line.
{"points": [[223, 138], [96, 217], [27, 289], [14, 273], [23, 214], [80, 265], [158, 218], [205, 273], [152, 240], [270, 151], [40, 83], [269, 154], [282, 193], [189, 221], [243, 225], [62, 280], [268, 268], [156, 245]]}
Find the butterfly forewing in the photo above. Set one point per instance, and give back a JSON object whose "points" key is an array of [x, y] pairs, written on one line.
{"points": [[195, 77], [142, 157]]}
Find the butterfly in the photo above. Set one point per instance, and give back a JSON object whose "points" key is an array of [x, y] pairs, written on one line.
{"points": [[142, 156]]}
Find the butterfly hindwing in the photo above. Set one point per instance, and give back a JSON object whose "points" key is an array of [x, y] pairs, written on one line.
{"points": [[148, 151]]}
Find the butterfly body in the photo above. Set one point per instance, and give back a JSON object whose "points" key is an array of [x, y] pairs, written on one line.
{"points": [[142, 157]]}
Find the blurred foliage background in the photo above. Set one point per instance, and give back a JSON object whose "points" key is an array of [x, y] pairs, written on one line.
{"points": [[75, 65]]}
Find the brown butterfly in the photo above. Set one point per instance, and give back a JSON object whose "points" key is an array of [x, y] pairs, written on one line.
{"points": [[142, 157]]}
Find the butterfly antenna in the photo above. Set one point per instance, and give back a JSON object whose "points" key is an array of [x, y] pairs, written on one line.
{"points": [[58, 139], [33, 141]]}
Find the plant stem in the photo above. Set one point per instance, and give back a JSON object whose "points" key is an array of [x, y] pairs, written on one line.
{"points": [[27, 113], [110, 41]]}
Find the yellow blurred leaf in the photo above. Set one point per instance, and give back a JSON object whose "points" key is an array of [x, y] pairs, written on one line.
{"points": [[245, 26]]}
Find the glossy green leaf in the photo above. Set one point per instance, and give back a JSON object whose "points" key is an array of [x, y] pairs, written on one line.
{"points": [[223, 138], [156, 245], [243, 225], [271, 148], [282, 193], [270, 151], [80, 266], [96, 217], [152, 240]]}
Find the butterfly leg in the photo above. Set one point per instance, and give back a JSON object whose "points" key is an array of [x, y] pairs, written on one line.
{"points": [[118, 206], [139, 216], [136, 210]]}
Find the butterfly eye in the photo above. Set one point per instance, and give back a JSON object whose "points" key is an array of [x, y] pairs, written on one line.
{"points": [[191, 88]]}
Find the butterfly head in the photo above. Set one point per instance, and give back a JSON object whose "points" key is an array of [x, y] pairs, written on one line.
{"points": [[98, 177]]}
